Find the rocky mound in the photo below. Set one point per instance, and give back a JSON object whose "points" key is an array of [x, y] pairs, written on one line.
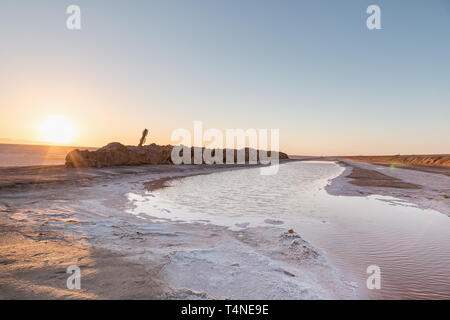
{"points": [[116, 154]]}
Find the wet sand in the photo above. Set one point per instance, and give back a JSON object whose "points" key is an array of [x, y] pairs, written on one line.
{"points": [[371, 178], [34, 261]]}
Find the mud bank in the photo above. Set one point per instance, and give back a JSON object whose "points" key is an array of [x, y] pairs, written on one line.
{"points": [[426, 190]]}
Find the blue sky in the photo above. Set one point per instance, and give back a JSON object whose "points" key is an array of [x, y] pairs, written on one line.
{"points": [[310, 68]]}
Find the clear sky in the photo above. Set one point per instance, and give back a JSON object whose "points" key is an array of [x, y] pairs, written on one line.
{"points": [[309, 68]]}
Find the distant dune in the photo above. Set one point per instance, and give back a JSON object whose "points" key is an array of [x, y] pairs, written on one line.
{"points": [[438, 160], [435, 163]]}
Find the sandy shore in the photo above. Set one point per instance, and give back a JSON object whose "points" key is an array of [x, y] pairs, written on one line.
{"points": [[34, 261], [52, 217]]}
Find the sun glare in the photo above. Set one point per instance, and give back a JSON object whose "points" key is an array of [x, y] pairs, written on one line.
{"points": [[57, 129]]}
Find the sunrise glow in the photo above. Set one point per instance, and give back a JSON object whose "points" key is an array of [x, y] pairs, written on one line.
{"points": [[57, 130]]}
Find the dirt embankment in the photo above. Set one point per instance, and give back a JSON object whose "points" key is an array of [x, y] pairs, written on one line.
{"points": [[442, 160], [427, 163], [116, 154]]}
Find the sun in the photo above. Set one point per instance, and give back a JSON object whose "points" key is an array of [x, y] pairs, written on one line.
{"points": [[57, 129]]}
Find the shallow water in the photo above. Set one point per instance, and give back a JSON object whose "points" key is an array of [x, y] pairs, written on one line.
{"points": [[410, 245]]}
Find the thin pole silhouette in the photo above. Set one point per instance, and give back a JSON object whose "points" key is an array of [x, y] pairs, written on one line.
{"points": [[144, 135]]}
